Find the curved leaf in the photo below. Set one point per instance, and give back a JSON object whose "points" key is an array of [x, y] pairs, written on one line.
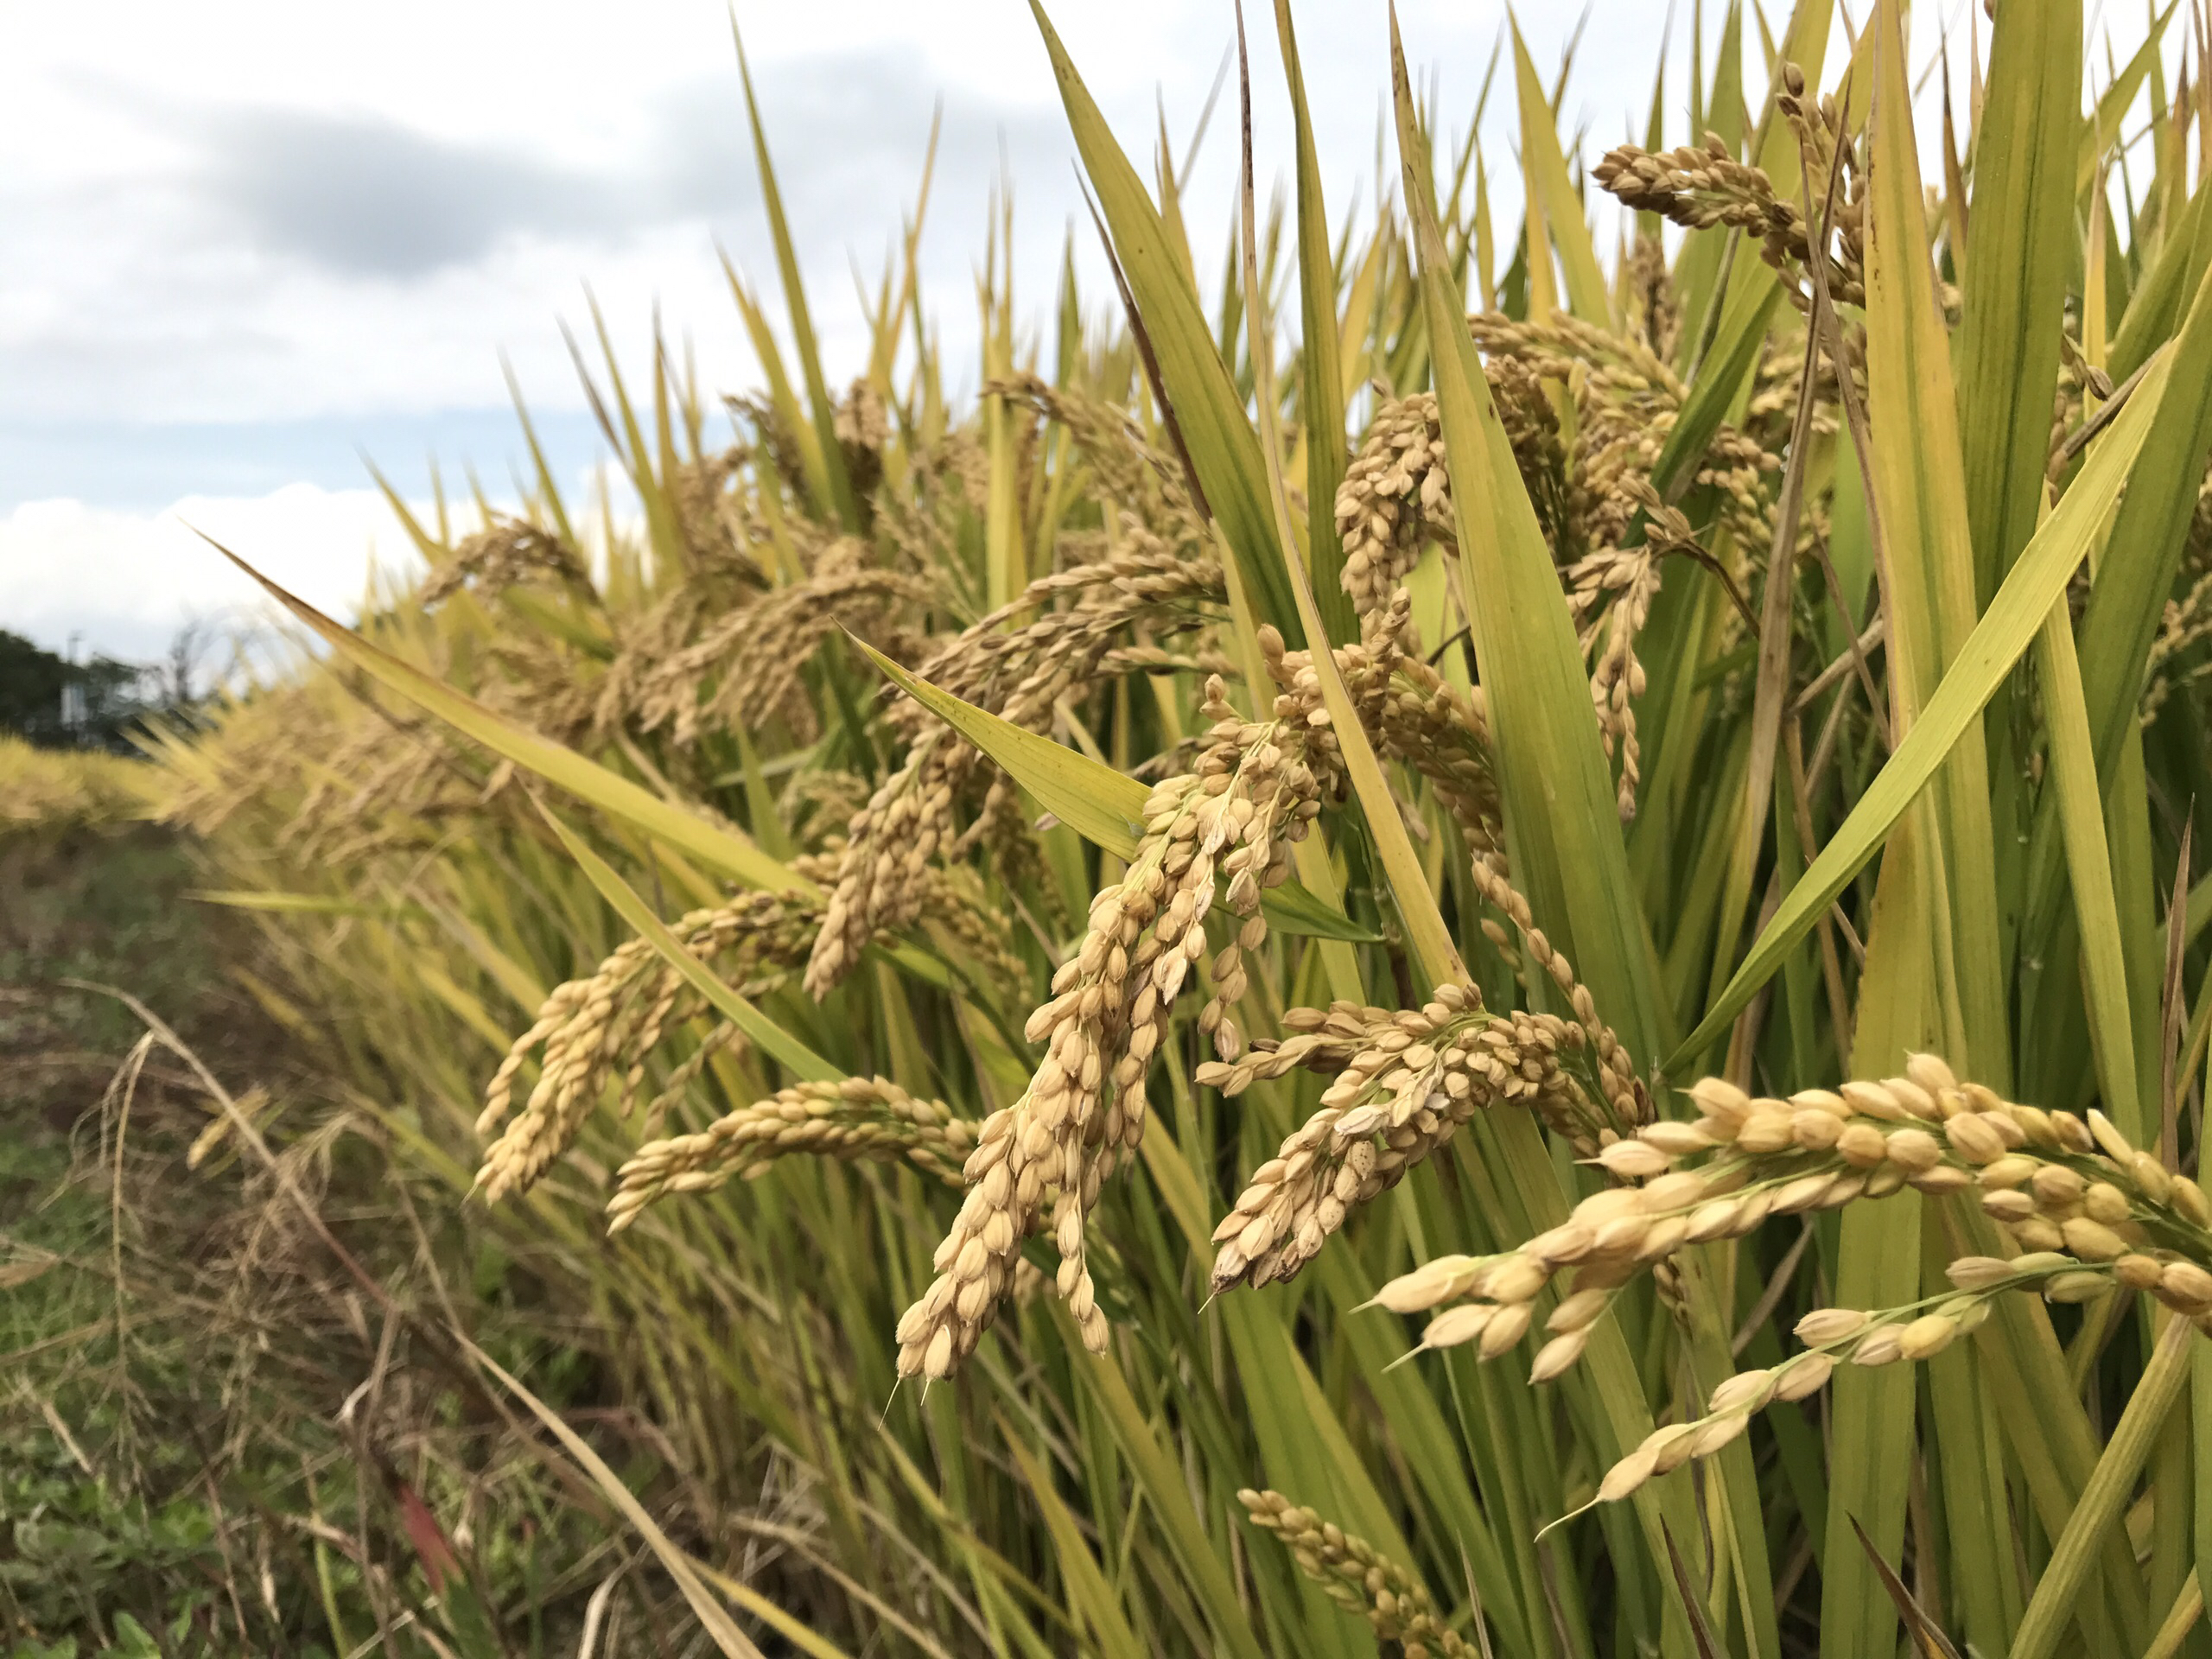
{"points": [[726, 849], [1100, 804], [2006, 630], [1224, 451], [771, 1037]]}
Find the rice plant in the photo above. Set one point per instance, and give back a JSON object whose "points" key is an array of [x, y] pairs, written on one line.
{"points": [[1662, 849], [50, 792]]}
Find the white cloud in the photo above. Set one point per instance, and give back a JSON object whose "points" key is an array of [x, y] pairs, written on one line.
{"points": [[272, 212], [126, 581]]}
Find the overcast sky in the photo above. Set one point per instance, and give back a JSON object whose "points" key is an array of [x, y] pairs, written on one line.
{"points": [[250, 244]]}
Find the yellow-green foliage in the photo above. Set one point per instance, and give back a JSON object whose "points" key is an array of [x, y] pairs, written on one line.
{"points": [[43, 790], [1627, 697]]}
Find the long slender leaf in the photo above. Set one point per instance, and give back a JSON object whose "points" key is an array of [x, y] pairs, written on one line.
{"points": [[802, 1061], [1223, 449], [2102, 129], [2006, 630], [2016, 285], [1558, 796], [1100, 804], [1559, 812], [1321, 389], [1917, 477], [809, 357], [1093, 1597], [713, 1617], [2072, 1557], [1562, 215], [724, 849], [2088, 860]]}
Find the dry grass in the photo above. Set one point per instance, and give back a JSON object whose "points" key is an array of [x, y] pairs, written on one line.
{"points": [[50, 791]]}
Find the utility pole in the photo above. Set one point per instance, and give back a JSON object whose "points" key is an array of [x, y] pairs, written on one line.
{"points": [[73, 690]]}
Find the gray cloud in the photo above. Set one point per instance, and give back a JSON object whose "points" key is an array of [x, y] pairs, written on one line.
{"points": [[364, 196], [255, 262], [361, 195]]}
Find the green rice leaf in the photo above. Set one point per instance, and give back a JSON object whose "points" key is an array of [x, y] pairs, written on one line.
{"points": [[2072, 777], [1093, 1598], [301, 904], [2129, 595], [809, 357], [2050, 1609], [2006, 630], [1099, 803], [1720, 378], [2102, 132], [1223, 449], [1872, 1417], [1917, 475], [781, 397], [713, 1617], [1321, 389], [2025, 246], [1562, 210], [1163, 1483], [1560, 817]]}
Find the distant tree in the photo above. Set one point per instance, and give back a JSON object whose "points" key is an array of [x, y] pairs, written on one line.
{"points": [[56, 703], [31, 679]]}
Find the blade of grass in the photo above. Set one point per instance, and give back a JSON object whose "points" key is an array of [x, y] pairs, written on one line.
{"points": [[628, 440], [1163, 1484], [2159, 291], [2015, 297], [1223, 449], [2116, 98], [1560, 817], [1708, 1645], [2188, 1608], [714, 1619], [2128, 595], [1099, 803], [1772, 681], [1006, 562], [2050, 1609], [1093, 1598], [2006, 630], [549, 492], [1926, 1636], [2072, 774], [1567, 848], [2015, 289], [1735, 352], [781, 398], [2173, 1003], [883, 351], [1871, 1416], [1918, 476], [1562, 215], [722, 848], [772, 1038], [1430, 939], [1321, 389], [824, 410]]}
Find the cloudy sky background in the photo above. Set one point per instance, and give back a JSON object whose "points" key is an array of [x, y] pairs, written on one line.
{"points": [[250, 244]]}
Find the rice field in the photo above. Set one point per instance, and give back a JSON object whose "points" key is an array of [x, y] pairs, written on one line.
{"points": [[50, 792], [1481, 944]]}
